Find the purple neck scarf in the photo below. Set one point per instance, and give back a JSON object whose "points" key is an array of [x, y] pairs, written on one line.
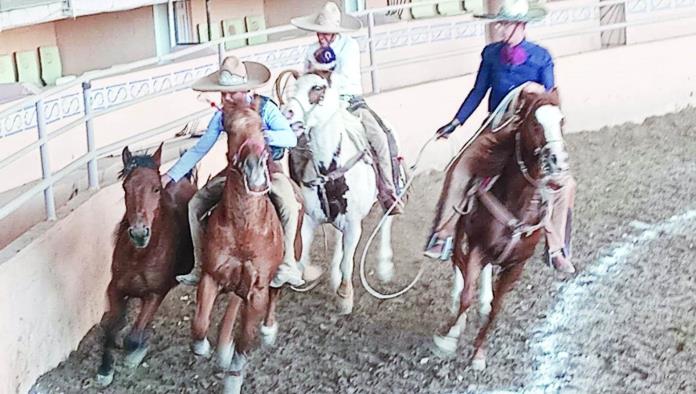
{"points": [[513, 56]]}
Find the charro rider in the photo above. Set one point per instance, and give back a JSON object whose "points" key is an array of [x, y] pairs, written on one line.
{"points": [[505, 65], [337, 54], [235, 81]]}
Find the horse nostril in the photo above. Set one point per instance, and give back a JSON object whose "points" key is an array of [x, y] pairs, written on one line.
{"points": [[147, 231]]}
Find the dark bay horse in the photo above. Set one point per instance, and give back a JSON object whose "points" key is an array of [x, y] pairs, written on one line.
{"points": [[243, 249], [507, 218], [153, 245]]}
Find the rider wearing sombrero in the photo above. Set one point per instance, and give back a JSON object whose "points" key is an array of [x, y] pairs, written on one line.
{"points": [[337, 54], [505, 65], [235, 81]]}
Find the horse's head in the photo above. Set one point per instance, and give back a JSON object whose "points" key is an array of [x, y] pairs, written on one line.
{"points": [[541, 134], [141, 182], [247, 153], [313, 102]]}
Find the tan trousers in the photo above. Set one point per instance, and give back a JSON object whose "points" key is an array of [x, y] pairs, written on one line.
{"points": [[281, 194], [558, 228]]}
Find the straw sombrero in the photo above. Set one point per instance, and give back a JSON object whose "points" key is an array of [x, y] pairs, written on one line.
{"points": [[234, 76], [328, 20], [518, 11]]}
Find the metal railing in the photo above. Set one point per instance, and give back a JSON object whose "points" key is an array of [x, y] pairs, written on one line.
{"points": [[49, 178]]}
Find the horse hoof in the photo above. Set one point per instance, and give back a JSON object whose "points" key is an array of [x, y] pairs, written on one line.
{"points": [[105, 380], [385, 271], [233, 384], [478, 364], [201, 348], [269, 335], [345, 306], [484, 311], [134, 358], [445, 347]]}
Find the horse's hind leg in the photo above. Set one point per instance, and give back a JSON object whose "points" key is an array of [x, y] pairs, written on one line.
{"points": [[385, 265], [225, 346], [114, 320], [205, 299], [506, 280], [136, 341], [269, 329], [253, 311], [309, 227], [351, 236], [470, 267]]}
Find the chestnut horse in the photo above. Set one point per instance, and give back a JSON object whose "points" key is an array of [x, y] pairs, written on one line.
{"points": [[243, 249], [153, 245], [508, 214]]}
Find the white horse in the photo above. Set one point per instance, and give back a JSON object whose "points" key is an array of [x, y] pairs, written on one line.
{"points": [[338, 181]]}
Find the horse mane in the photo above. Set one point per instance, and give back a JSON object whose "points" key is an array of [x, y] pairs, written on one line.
{"points": [[491, 154], [137, 161], [240, 118]]}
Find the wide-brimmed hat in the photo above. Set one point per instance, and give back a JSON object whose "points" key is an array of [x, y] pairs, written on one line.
{"points": [[234, 76], [328, 20], [517, 11]]}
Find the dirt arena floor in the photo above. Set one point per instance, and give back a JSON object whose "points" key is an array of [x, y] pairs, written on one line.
{"points": [[625, 323]]}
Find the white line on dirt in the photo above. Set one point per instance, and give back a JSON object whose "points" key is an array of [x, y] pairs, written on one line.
{"points": [[552, 363]]}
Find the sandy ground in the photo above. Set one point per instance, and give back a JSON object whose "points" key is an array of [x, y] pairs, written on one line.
{"points": [[624, 323]]}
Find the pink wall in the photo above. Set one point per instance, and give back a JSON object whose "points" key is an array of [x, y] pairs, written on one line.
{"points": [[102, 40], [27, 38]]}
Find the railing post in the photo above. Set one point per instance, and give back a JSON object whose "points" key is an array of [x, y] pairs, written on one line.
{"points": [[49, 200], [221, 52], [92, 169], [371, 46]]}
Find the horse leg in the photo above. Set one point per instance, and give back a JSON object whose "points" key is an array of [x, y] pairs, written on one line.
{"points": [[205, 299], [309, 226], [486, 291], [269, 329], [252, 314], [471, 266], [225, 345], [335, 279], [136, 341], [114, 320], [351, 236], [506, 280], [385, 265]]}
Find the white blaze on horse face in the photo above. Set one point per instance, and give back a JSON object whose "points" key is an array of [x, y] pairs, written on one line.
{"points": [[555, 155]]}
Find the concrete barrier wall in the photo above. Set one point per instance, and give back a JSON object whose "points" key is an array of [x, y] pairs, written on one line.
{"points": [[52, 290]]}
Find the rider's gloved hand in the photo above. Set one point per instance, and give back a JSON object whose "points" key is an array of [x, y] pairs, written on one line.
{"points": [[446, 130]]}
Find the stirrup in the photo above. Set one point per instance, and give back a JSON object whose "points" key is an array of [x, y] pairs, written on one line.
{"points": [[446, 251]]}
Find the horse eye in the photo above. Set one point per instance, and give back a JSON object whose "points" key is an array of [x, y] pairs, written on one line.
{"points": [[156, 189]]}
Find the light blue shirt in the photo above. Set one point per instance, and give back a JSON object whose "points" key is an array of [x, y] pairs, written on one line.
{"points": [[277, 132]]}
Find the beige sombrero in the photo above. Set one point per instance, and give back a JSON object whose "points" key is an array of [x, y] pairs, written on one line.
{"points": [[518, 11], [328, 20], [234, 76]]}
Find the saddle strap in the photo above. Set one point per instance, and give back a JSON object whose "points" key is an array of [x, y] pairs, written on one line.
{"points": [[337, 173], [497, 209]]}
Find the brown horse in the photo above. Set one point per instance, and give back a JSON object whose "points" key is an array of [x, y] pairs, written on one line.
{"points": [[507, 214], [243, 249], [153, 245]]}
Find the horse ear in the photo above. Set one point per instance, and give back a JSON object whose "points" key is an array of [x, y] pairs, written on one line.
{"points": [[556, 95], [126, 156], [157, 156]]}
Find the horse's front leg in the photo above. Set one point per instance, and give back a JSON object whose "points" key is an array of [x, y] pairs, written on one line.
{"points": [[114, 320], [205, 299], [469, 267], [136, 341], [225, 346], [506, 280], [351, 237], [253, 312], [485, 292], [385, 265], [309, 227], [269, 329]]}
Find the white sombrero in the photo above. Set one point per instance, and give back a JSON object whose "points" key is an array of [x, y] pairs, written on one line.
{"points": [[328, 20], [518, 11], [234, 76]]}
